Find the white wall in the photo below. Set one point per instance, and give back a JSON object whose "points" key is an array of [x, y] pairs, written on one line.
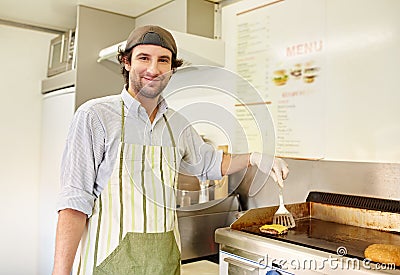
{"points": [[23, 56]]}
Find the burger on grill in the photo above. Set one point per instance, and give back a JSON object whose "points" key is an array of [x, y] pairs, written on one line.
{"points": [[274, 229]]}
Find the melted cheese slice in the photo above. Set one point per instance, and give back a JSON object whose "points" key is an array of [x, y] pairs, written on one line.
{"points": [[279, 228]]}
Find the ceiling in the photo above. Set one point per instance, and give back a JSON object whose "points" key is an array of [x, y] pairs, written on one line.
{"points": [[61, 14]]}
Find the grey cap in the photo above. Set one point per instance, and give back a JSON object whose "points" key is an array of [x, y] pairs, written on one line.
{"points": [[153, 35]]}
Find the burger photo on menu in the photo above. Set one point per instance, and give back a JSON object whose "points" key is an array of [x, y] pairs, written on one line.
{"points": [[280, 77], [296, 71], [310, 73]]}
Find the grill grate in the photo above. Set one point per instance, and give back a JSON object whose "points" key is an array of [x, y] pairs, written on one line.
{"points": [[369, 203]]}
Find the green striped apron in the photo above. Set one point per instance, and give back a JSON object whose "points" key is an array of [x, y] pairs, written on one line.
{"points": [[133, 229]]}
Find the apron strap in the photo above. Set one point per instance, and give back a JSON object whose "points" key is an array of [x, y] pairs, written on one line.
{"points": [[122, 121], [173, 145], [170, 131], [121, 162]]}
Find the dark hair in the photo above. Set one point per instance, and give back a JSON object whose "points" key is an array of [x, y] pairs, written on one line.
{"points": [[125, 56]]}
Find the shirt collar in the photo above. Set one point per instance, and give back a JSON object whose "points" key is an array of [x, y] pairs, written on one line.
{"points": [[133, 105]]}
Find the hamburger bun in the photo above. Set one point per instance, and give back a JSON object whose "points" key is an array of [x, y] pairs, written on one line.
{"points": [[383, 253]]}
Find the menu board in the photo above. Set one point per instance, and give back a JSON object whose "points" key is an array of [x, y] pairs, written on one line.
{"points": [[285, 63], [329, 70]]}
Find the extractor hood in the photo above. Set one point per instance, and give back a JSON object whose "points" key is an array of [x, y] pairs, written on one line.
{"points": [[193, 49]]}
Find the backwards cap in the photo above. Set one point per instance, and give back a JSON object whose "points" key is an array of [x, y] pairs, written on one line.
{"points": [[153, 35]]}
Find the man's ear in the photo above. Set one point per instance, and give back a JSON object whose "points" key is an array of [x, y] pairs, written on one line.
{"points": [[127, 64]]}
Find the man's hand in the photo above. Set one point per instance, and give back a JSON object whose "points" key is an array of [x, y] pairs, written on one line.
{"points": [[279, 171]]}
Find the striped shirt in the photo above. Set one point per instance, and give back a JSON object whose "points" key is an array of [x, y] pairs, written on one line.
{"points": [[92, 144]]}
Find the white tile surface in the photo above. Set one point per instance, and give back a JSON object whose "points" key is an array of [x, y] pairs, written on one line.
{"points": [[200, 268]]}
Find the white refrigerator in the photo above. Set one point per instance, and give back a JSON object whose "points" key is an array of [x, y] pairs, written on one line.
{"points": [[57, 111]]}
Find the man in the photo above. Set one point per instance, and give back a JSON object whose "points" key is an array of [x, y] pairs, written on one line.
{"points": [[119, 169]]}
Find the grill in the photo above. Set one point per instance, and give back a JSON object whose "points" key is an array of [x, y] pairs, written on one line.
{"points": [[332, 231]]}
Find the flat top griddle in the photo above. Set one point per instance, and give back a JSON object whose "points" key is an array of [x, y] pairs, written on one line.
{"points": [[329, 236]]}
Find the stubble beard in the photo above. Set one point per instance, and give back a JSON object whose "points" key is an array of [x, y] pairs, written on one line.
{"points": [[146, 91], [151, 90]]}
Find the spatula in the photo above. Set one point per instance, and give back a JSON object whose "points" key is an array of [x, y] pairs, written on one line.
{"points": [[282, 216]]}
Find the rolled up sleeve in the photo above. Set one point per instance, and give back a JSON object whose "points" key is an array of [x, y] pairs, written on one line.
{"points": [[77, 199]]}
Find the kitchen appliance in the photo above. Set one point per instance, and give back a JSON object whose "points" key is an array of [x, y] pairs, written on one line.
{"points": [[198, 222], [58, 107], [331, 234], [62, 53]]}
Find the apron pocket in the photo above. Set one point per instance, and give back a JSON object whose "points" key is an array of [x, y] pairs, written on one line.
{"points": [[143, 253]]}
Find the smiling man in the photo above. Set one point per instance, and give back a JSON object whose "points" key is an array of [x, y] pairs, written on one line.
{"points": [[149, 70], [119, 169]]}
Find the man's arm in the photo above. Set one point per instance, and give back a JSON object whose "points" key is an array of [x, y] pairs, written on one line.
{"points": [[70, 226], [234, 163]]}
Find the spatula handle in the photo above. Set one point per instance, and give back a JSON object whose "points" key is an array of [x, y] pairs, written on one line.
{"points": [[280, 196]]}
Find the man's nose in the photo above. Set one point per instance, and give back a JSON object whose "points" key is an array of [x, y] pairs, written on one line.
{"points": [[153, 68]]}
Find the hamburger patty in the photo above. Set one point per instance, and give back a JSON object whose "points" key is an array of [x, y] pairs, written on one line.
{"points": [[273, 229]]}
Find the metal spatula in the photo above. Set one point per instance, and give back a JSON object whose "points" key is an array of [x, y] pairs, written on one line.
{"points": [[282, 216]]}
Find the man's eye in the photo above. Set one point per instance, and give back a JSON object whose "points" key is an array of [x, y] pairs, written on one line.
{"points": [[164, 60], [144, 58]]}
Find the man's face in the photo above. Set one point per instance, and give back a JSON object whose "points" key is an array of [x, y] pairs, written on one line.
{"points": [[149, 70]]}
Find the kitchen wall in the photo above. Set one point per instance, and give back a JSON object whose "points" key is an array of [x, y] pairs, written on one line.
{"points": [[24, 55]]}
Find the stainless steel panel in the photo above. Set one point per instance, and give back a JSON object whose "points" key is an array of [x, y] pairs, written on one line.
{"points": [[197, 233], [236, 267], [230, 203], [379, 180], [260, 259], [247, 242], [197, 225]]}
